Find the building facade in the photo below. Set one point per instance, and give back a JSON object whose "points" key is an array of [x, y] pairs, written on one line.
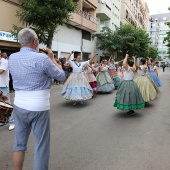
{"points": [[108, 14], [8, 42], [158, 31], [75, 35], [78, 33], [135, 12]]}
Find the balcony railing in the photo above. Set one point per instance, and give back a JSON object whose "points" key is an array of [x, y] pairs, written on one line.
{"points": [[86, 15]]}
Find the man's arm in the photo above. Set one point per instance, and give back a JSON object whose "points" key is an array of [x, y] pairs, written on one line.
{"points": [[1, 71]]}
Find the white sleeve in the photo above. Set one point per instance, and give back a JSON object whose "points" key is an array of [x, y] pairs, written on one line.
{"points": [[155, 67], [4, 65], [85, 63], [71, 63]]}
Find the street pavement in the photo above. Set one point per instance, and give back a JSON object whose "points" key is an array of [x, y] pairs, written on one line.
{"points": [[96, 136]]}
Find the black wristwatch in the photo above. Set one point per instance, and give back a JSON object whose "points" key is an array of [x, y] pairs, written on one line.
{"points": [[1, 93]]}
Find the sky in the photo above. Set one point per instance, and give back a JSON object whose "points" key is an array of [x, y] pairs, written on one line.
{"points": [[158, 6]]}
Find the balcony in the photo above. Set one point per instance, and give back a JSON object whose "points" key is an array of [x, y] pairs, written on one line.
{"points": [[103, 12], [93, 2], [84, 21]]}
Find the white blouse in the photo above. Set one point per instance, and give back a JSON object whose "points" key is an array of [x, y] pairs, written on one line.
{"points": [[111, 66], [143, 71], [88, 70], [128, 74], [104, 68], [77, 67]]}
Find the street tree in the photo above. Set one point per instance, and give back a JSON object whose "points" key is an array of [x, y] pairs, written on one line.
{"points": [[153, 53], [44, 16], [125, 39], [167, 38]]}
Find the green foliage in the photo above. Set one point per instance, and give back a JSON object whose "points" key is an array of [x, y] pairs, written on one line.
{"points": [[44, 16], [126, 39], [153, 53], [167, 39]]}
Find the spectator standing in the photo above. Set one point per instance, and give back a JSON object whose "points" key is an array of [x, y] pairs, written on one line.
{"points": [[4, 85], [163, 66], [31, 104]]}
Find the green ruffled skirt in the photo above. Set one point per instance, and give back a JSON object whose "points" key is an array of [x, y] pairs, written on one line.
{"points": [[128, 96]]}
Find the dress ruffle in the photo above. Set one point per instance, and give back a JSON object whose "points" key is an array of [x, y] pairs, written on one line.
{"points": [[155, 79], [128, 96], [104, 81], [77, 88], [146, 88]]}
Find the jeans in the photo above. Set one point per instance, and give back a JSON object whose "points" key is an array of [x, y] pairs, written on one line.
{"points": [[5, 90], [39, 122]]}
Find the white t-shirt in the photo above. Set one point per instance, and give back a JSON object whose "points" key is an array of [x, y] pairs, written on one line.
{"points": [[4, 77]]}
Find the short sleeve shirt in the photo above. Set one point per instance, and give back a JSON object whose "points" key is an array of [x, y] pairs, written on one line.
{"points": [[4, 77]]}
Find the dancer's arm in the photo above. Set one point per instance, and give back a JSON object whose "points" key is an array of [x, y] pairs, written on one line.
{"points": [[125, 65], [134, 65], [68, 58], [91, 59]]}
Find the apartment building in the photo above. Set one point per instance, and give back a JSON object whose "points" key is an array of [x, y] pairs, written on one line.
{"points": [[158, 31], [8, 43], [108, 14], [135, 12], [78, 33], [75, 35]]}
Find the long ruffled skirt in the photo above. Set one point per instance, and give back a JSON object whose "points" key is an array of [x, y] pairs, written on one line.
{"points": [[155, 79], [128, 96], [104, 81], [77, 88], [154, 85], [146, 88], [92, 81]]}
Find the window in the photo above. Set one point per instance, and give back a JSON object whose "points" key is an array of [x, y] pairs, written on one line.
{"points": [[86, 35], [127, 14]]}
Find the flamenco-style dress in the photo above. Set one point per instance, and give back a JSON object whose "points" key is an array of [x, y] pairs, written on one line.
{"points": [[154, 76], [128, 96], [77, 87], [145, 86], [104, 81], [88, 73], [113, 72]]}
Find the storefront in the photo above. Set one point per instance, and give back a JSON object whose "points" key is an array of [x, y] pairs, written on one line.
{"points": [[8, 43]]}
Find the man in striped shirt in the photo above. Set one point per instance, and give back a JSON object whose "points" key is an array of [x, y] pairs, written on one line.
{"points": [[32, 73]]}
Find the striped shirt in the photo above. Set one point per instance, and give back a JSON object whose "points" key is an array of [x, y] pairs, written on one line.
{"points": [[33, 71]]}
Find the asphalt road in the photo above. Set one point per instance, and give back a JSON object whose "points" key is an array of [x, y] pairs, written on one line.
{"points": [[96, 136]]}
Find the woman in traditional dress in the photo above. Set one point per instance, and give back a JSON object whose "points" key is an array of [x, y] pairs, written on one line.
{"points": [[77, 88], [104, 81], [155, 78], [113, 72], [155, 68], [88, 73], [145, 86], [128, 96]]}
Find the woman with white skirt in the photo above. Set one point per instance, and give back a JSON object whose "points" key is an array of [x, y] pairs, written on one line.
{"points": [[77, 88]]}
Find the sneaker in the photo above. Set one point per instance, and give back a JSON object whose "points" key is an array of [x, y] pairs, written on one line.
{"points": [[11, 127], [130, 113], [75, 103]]}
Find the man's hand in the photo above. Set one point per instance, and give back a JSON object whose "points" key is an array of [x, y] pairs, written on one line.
{"points": [[50, 53], [3, 97]]}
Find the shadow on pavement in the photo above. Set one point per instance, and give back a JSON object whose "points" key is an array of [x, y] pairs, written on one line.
{"points": [[70, 104], [104, 93], [149, 105], [123, 115]]}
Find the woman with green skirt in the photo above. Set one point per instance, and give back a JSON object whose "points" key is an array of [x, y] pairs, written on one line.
{"points": [[128, 96]]}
